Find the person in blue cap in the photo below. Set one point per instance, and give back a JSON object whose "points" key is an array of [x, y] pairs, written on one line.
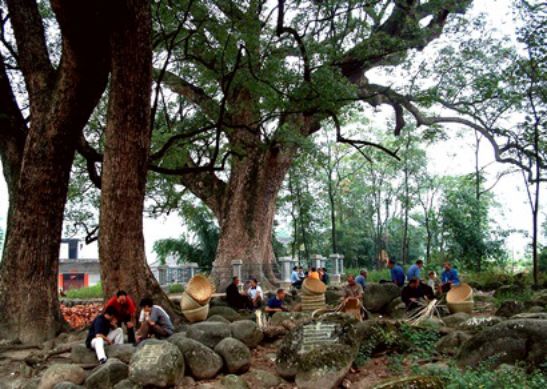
{"points": [[397, 273]]}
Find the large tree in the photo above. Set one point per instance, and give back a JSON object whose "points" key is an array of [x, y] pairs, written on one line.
{"points": [[37, 146]]}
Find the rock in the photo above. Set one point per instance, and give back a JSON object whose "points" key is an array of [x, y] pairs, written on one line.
{"points": [[377, 336], [530, 315], [479, 323], [510, 308], [333, 296], [81, 354], [415, 382], [378, 296], [396, 309], [319, 364], [68, 385], [540, 298], [228, 313], [262, 379], [536, 309], [209, 333], [200, 360], [236, 355], [431, 323], [127, 384], [218, 302], [160, 364], [455, 319], [247, 331], [149, 341], [187, 382], [107, 375], [274, 332], [451, 343], [61, 372], [219, 318], [507, 290], [279, 317], [509, 341], [123, 352], [232, 381]]}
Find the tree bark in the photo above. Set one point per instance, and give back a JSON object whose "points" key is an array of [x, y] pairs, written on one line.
{"points": [[127, 141], [60, 103]]}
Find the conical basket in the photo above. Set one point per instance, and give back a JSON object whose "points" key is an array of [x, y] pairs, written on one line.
{"points": [[200, 289], [462, 306], [187, 302], [198, 314], [460, 293], [311, 286], [312, 303]]}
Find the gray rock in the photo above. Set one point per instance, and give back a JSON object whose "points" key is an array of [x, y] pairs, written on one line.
{"points": [[187, 382], [107, 375], [396, 309], [81, 354], [209, 333], [530, 315], [67, 385], [507, 342], [123, 352], [247, 331], [127, 384], [228, 313], [257, 378], [61, 372], [319, 365], [455, 319], [279, 317], [232, 381], [333, 296], [236, 355], [451, 343], [149, 341], [219, 318], [200, 360], [510, 308], [379, 296], [479, 323], [160, 364], [536, 309]]}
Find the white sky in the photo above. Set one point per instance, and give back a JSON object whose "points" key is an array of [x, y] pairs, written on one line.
{"points": [[454, 157]]}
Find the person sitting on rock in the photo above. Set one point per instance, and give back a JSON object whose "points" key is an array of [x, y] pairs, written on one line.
{"points": [[397, 273], [276, 303], [352, 290], [103, 330], [236, 299], [255, 293], [314, 274], [154, 321], [414, 293], [361, 279], [296, 282], [434, 283], [126, 312], [415, 270], [449, 277]]}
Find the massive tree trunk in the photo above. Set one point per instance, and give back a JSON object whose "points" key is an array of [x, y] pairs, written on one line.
{"points": [[60, 103], [127, 141]]}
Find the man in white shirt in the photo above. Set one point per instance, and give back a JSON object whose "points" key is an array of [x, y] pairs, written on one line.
{"points": [[255, 293]]}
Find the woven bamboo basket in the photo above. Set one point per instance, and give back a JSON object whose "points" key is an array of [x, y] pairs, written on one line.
{"points": [[187, 302], [353, 308], [200, 289], [312, 303], [462, 306], [198, 314], [318, 298], [311, 286], [460, 293]]}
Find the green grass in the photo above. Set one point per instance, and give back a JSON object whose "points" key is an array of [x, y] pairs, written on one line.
{"points": [[373, 275], [176, 288], [90, 292]]}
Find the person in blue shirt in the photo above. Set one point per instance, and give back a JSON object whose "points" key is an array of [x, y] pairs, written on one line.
{"points": [[414, 270], [296, 281], [361, 279], [449, 277], [397, 273], [275, 303]]}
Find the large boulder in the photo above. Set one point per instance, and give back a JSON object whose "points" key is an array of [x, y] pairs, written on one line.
{"points": [[123, 352], [236, 355], [202, 362], [82, 355], [257, 378], [232, 381], [127, 384], [228, 313], [318, 354], [209, 333], [247, 331], [396, 309], [159, 364], [378, 296], [333, 295], [510, 308], [507, 342], [61, 372], [107, 375], [218, 318], [455, 319], [65, 385], [279, 318], [451, 343], [476, 324]]}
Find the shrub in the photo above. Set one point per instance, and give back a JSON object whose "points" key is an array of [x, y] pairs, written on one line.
{"points": [[176, 288], [90, 292]]}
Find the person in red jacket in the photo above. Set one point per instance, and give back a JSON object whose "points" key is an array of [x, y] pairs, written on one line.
{"points": [[125, 312]]}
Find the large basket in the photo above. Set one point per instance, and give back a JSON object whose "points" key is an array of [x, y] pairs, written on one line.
{"points": [[198, 314], [460, 293], [462, 306], [200, 289], [311, 286], [318, 298], [187, 302]]}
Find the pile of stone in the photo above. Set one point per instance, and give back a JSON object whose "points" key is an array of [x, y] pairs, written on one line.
{"points": [[195, 300], [313, 295]]}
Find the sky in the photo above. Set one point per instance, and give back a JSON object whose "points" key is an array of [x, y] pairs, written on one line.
{"points": [[454, 156]]}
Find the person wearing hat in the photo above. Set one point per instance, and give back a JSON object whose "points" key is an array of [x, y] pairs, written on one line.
{"points": [[361, 279]]}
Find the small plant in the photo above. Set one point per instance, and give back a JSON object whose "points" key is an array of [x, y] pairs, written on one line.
{"points": [[176, 288], [90, 292], [396, 363], [422, 340]]}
